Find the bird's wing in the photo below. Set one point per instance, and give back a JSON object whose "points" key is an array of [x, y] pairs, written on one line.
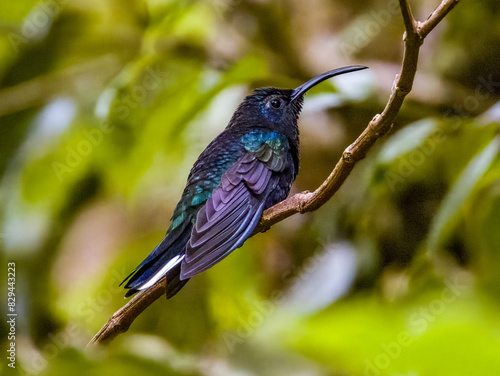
{"points": [[231, 213], [166, 258]]}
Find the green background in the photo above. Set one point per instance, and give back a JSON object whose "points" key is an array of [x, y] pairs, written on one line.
{"points": [[104, 107]]}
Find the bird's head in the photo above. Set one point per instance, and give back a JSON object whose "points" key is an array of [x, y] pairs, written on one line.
{"points": [[279, 109]]}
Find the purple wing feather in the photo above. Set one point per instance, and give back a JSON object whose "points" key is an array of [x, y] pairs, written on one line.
{"points": [[230, 215]]}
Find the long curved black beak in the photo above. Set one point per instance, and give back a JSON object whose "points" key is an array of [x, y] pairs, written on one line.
{"points": [[316, 80]]}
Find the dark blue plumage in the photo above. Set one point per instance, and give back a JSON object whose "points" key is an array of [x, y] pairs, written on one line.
{"points": [[248, 168]]}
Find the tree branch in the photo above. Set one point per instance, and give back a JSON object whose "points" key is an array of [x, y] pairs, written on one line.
{"points": [[439, 13], [307, 201]]}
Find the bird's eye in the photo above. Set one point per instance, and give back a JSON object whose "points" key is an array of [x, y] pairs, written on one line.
{"points": [[276, 103]]}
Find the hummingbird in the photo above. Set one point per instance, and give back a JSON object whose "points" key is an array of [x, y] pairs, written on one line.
{"points": [[246, 169]]}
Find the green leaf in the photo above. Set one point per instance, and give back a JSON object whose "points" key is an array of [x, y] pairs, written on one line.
{"points": [[407, 139], [461, 190]]}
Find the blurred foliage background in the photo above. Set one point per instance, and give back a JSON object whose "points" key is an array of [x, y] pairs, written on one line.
{"points": [[104, 107]]}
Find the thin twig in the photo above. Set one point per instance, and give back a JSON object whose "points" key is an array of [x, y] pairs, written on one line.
{"points": [[123, 318], [439, 13], [307, 201], [410, 24]]}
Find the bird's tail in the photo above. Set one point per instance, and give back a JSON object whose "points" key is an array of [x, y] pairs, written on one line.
{"points": [[165, 260]]}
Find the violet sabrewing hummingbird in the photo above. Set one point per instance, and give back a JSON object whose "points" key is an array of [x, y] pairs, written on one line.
{"points": [[246, 169]]}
